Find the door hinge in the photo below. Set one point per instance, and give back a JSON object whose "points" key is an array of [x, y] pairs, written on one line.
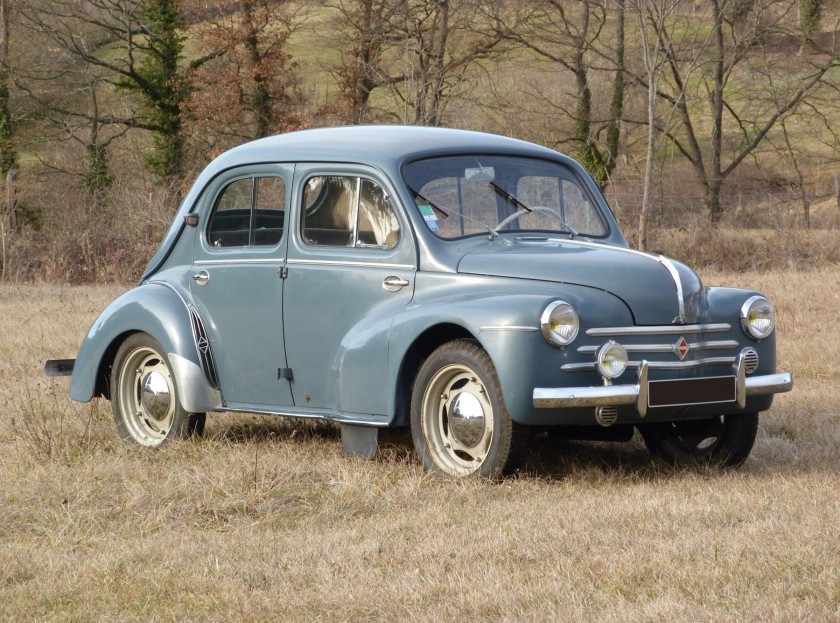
{"points": [[283, 272], [285, 373]]}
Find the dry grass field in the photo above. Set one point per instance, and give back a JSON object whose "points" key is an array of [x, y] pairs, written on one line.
{"points": [[264, 520]]}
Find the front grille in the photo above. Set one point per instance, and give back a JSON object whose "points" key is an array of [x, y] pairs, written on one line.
{"points": [[661, 347]]}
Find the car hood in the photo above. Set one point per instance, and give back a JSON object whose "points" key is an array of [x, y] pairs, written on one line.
{"points": [[656, 289]]}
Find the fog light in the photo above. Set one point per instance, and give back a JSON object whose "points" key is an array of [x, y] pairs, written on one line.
{"points": [[612, 360]]}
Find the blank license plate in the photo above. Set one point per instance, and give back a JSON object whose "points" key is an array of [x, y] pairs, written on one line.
{"points": [[681, 392]]}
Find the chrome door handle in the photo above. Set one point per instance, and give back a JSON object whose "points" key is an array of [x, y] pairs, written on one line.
{"points": [[394, 283], [201, 277]]}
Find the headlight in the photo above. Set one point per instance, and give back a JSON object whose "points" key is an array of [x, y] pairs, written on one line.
{"points": [[559, 323], [758, 318], [612, 360]]}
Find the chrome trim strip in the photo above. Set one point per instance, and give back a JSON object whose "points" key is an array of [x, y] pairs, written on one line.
{"points": [[220, 262], [324, 415], [352, 263], [614, 395], [675, 275], [660, 330], [664, 348], [657, 365], [506, 328]]}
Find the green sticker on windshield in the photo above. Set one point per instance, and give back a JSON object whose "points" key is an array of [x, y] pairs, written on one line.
{"points": [[426, 211]]}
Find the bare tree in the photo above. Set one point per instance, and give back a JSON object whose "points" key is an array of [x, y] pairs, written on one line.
{"points": [[366, 39], [419, 50], [144, 43], [657, 22], [572, 36], [250, 88], [738, 123]]}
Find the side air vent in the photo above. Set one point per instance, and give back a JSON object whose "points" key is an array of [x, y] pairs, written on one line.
{"points": [[202, 344]]}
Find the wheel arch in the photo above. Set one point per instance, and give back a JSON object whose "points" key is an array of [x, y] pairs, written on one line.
{"points": [[160, 311], [422, 346]]}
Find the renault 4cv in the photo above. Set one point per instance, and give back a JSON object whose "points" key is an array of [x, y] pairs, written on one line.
{"points": [[469, 286]]}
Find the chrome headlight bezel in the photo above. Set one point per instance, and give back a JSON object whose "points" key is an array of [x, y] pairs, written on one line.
{"points": [[559, 314], [758, 317]]}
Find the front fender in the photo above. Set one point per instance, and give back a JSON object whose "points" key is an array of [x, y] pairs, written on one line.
{"points": [[161, 312], [503, 315], [724, 305]]}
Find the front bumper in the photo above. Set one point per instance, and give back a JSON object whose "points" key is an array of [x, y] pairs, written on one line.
{"points": [[617, 395]]}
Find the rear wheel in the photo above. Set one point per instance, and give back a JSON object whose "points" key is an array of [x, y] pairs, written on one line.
{"points": [[723, 441], [459, 422], [144, 395]]}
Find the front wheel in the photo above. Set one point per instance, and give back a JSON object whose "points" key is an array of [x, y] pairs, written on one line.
{"points": [[459, 422], [723, 441], [144, 395]]}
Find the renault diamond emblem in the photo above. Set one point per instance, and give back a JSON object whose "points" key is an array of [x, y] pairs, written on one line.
{"points": [[681, 348]]}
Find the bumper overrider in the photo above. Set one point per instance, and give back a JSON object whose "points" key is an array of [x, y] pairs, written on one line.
{"points": [[670, 393]]}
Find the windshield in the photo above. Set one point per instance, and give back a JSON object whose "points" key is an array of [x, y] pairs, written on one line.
{"points": [[464, 195]]}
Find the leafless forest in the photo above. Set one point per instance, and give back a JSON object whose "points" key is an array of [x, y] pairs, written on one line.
{"points": [[701, 120]]}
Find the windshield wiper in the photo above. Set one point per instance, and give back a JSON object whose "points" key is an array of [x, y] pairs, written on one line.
{"points": [[447, 212], [518, 203]]}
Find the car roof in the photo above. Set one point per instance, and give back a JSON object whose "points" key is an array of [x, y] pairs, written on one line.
{"points": [[385, 147], [379, 146]]}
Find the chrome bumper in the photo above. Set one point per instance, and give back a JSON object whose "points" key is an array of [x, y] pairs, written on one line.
{"points": [[616, 395]]}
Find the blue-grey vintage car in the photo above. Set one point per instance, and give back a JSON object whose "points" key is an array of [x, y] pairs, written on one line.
{"points": [[470, 286]]}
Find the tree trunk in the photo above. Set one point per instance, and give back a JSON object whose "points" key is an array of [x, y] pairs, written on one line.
{"points": [[260, 96], [713, 190], [8, 157], [617, 101], [712, 199]]}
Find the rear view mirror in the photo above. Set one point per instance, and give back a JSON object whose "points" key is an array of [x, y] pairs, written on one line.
{"points": [[481, 174]]}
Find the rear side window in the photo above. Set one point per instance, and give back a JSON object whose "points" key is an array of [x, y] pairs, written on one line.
{"points": [[249, 212], [348, 211]]}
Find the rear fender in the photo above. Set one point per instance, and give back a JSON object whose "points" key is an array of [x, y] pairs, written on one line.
{"points": [[162, 312]]}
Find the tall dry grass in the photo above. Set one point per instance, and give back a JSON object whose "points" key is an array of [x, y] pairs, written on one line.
{"points": [[264, 520]]}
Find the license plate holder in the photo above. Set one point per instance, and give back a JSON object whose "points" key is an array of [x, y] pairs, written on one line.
{"points": [[686, 392]]}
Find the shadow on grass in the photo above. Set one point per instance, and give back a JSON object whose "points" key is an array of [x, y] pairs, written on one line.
{"points": [[547, 457]]}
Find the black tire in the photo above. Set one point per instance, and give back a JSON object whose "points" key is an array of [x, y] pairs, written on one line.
{"points": [[459, 377], [723, 441], [144, 396]]}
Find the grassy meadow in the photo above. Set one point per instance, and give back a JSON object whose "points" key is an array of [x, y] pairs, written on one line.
{"points": [[263, 519]]}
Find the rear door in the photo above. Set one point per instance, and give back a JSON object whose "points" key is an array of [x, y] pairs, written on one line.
{"points": [[237, 283]]}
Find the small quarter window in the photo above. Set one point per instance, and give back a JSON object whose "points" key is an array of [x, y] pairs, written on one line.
{"points": [[249, 212], [343, 211]]}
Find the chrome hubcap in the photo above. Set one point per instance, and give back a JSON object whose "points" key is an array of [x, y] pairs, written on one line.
{"points": [[466, 420], [156, 397]]}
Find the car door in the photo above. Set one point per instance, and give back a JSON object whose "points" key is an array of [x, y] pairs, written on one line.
{"points": [[237, 285], [351, 266]]}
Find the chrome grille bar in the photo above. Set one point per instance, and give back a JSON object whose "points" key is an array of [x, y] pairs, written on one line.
{"points": [[657, 365], [660, 330], [663, 348]]}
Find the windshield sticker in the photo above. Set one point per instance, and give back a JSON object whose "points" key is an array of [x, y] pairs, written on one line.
{"points": [[429, 216]]}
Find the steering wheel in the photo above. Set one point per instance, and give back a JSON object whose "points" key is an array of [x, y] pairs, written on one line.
{"points": [[516, 215]]}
